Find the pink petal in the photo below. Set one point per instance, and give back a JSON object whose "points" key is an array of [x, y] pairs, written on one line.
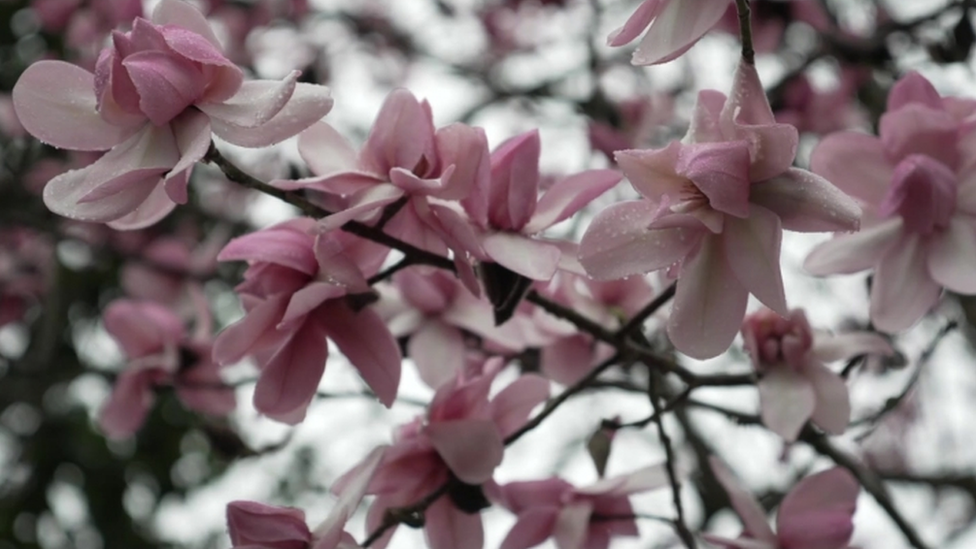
{"points": [[308, 299], [155, 207], [917, 129], [472, 448], [307, 105], [852, 253], [438, 351], [55, 101], [532, 528], [676, 28], [402, 134], [290, 378], [903, 268], [237, 340], [192, 132], [326, 151], [636, 23], [567, 360], [514, 182], [521, 497], [830, 348], [913, 88], [181, 14], [448, 528], [226, 78], [818, 511], [951, 253], [832, 411], [530, 258], [721, 172], [709, 303], [572, 525], [142, 328], [270, 526], [752, 249], [652, 172], [640, 480], [741, 543], [366, 341], [329, 533], [511, 407], [753, 516], [806, 202], [787, 400], [166, 84], [621, 241], [567, 196], [362, 204], [255, 103], [465, 148], [855, 163], [126, 408], [281, 246]]}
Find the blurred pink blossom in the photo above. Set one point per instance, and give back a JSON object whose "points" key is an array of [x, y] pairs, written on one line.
{"points": [[673, 27]]}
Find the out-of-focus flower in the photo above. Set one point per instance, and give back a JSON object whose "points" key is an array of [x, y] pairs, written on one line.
{"points": [[156, 96], [796, 385], [817, 512], [714, 211], [917, 184], [673, 27]]}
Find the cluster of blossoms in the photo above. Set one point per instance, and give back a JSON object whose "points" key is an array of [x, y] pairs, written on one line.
{"points": [[711, 217]]}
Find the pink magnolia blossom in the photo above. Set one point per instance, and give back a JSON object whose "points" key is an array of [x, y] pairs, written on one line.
{"points": [[576, 518], [404, 158], [295, 296], [673, 27], [254, 525], [817, 513], [917, 183], [714, 209], [460, 440], [160, 352], [509, 212], [156, 96], [796, 385]]}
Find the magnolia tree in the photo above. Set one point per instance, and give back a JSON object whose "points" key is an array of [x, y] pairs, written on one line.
{"points": [[580, 309]]}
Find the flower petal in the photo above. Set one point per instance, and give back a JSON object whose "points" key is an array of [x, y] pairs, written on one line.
{"points": [[952, 256], [806, 202], [255, 103], [155, 207], [447, 527], [365, 340], [326, 151], [753, 516], [567, 196], [55, 102], [787, 400], [511, 407], [438, 351], [855, 163], [843, 346], [832, 411], [528, 257], [192, 132], [307, 105], [126, 408], [402, 135], [514, 185], [532, 528], [852, 253], [472, 448], [818, 511], [290, 378], [636, 23], [903, 291], [281, 246], [752, 249], [181, 14], [676, 28]]}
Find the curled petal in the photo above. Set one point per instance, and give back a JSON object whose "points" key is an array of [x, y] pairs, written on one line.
{"points": [[255, 103], [636, 23], [676, 28], [307, 105], [806, 202]]}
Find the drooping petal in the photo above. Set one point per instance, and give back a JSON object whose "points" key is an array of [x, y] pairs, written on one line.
{"points": [[832, 411], [255, 103], [952, 256], [281, 246], [238, 339], [55, 101], [472, 448], [567, 196], [366, 341], [709, 303], [806, 202], [903, 291], [752, 515], [438, 351], [307, 105], [126, 408], [511, 407], [852, 253], [290, 378], [855, 163], [787, 400], [818, 511], [192, 132], [621, 241], [636, 23], [326, 151], [449, 528], [752, 249], [532, 528], [676, 28], [528, 257]]}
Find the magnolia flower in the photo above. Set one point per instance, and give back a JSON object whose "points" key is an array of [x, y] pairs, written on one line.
{"points": [[673, 27], [160, 352], [575, 517], [917, 183], [714, 211], [294, 294], [796, 385], [816, 513], [157, 94], [254, 525], [461, 440]]}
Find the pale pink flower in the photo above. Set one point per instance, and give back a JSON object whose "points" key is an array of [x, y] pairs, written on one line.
{"points": [[796, 385], [673, 27], [254, 525], [156, 96], [295, 296], [460, 440], [816, 513], [575, 518], [917, 183], [714, 210], [160, 353]]}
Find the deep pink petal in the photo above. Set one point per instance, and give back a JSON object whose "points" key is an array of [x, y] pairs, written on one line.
{"points": [[307, 105], [448, 528], [532, 528], [307, 300], [226, 77], [721, 172], [752, 249], [620, 241], [364, 338], [832, 411], [752, 515], [472, 448], [528, 257], [567, 196], [238, 339], [855, 163], [126, 408], [709, 303], [250, 523], [806, 202], [677, 26], [166, 84], [852, 253], [511, 407], [290, 378], [903, 268], [514, 181]]}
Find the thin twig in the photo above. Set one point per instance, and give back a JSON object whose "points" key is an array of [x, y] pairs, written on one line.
{"points": [[745, 31], [638, 319]]}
